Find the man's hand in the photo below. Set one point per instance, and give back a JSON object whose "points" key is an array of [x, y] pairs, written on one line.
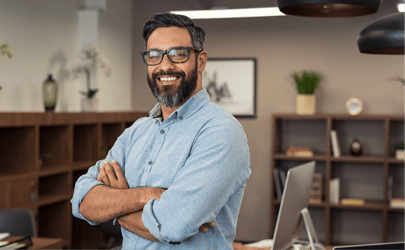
{"points": [[108, 177], [204, 228]]}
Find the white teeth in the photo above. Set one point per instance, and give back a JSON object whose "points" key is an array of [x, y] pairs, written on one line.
{"points": [[168, 78]]}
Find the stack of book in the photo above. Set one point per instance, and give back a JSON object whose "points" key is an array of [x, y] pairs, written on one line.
{"points": [[299, 151], [352, 201], [397, 203], [317, 189]]}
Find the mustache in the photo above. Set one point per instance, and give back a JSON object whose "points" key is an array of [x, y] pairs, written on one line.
{"points": [[167, 73]]}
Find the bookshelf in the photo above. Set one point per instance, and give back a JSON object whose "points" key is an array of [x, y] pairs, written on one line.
{"points": [[364, 176], [41, 157]]}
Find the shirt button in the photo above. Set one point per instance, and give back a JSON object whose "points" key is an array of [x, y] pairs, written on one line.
{"points": [[181, 118], [162, 132], [150, 162]]}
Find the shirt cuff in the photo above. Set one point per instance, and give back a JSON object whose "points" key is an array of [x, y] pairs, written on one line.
{"points": [[151, 223]]}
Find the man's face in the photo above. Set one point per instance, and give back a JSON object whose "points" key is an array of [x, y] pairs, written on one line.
{"points": [[172, 83]]}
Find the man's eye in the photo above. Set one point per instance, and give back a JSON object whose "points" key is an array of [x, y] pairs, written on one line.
{"points": [[154, 54], [179, 53]]}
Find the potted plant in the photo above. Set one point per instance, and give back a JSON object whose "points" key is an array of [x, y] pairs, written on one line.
{"points": [[399, 152], [5, 50], [306, 84], [90, 58]]}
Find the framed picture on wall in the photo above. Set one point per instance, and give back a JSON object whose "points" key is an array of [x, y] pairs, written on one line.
{"points": [[231, 84]]}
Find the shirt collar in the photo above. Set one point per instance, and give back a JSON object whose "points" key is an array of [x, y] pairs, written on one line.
{"points": [[187, 109]]}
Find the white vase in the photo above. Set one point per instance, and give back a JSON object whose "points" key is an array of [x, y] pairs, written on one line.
{"points": [[89, 104], [306, 104]]}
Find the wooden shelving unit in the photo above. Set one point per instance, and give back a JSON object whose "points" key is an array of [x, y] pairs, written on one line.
{"points": [[41, 157], [364, 176]]}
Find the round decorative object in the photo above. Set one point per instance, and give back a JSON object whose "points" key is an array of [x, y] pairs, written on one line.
{"points": [[356, 148], [354, 106]]}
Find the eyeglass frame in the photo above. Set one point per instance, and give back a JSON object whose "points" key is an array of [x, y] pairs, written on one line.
{"points": [[164, 52]]}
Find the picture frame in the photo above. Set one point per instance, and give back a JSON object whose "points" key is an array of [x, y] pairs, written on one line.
{"points": [[231, 84]]}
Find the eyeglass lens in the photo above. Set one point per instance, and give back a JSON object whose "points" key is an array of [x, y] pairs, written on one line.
{"points": [[175, 55]]}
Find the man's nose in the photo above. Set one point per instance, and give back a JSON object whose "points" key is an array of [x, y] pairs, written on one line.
{"points": [[166, 64]]}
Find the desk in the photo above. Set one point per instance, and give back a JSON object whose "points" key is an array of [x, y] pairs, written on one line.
{"points": [[42, 243]]}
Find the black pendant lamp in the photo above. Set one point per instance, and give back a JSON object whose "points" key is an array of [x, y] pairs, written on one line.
{"points": [[328, 8], [384, 36]]}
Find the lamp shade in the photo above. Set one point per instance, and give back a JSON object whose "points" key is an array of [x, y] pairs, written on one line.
{"points": [[328, 8], [384, 36]]}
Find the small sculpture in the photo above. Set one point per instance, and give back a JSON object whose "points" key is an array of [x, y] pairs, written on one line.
{"points": [[356, 148]]}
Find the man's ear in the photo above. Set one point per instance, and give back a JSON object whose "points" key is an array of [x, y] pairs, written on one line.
{"points": [[202, 61]]}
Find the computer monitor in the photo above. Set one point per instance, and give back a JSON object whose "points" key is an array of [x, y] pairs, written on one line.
{"points": [[379, 246], [294, 200]]}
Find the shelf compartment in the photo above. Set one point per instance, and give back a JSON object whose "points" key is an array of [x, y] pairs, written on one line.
{"points": [[317, 217], [54, 146], [296, 133], [349, 226], [398, 181], [45, 200], [369, 133], [54, 171], [396, 135], [354, 183], [53, 222], [110, 133], [53, 188], [85, 142], [395, 230], [18, 150]]}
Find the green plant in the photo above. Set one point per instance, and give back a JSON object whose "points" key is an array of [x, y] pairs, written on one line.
{"points": [[5, 49], [307, 82], [400, 144]]}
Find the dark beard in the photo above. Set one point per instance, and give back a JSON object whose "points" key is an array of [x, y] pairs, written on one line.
{"points": [[170, 97]]}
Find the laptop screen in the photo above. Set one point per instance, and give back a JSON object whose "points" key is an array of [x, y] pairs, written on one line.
{"points": [[385, 246]]}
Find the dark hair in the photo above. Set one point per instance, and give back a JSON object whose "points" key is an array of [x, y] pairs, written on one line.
{"points": [[169, 20]]}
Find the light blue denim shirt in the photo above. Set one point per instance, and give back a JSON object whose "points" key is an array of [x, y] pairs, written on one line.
{"points": [[200, 154]]}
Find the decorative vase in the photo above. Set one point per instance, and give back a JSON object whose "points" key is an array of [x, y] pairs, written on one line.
{"points": [[89, 104], [356, 148], [306, 104], [50, 93]]}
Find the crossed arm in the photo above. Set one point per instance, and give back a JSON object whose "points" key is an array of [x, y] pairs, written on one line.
{"points": [[117, 200]]}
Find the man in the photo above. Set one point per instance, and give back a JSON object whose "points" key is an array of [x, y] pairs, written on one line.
{"points": [[182, 168]]}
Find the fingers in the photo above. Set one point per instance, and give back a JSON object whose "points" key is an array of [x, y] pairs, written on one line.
{"points": [[103, 176], [117, 169], [109, 170], [204, 228]]}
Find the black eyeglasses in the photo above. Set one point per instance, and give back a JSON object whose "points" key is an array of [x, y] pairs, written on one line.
{"points": [[175, 55]]}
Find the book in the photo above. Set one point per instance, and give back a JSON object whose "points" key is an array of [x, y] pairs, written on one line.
{"points": [[335, 144], [334, 194], [282, 178], [302, 151], [277, 183], [397, 203], [352, 201]]}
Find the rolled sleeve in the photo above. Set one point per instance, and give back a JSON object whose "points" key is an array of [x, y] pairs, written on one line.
{"points": [[217, 166], [89, 180]]}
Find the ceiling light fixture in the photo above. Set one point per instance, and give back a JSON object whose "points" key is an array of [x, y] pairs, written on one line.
{"points": [[384, 36], [231, 13], [328, 8]]}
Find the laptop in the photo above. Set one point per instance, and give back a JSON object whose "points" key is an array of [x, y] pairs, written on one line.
{"points": [[384, 246]]}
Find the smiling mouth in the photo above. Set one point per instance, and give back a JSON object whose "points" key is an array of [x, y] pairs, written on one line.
{"points": [[167, 80]]}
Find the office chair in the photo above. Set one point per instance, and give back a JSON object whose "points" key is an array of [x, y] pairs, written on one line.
{"points": [[114, 231], [18, 221]]}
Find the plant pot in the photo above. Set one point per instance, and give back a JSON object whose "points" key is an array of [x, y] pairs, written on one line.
{"points": [[399, 154], [89, 104], [306, 104]]}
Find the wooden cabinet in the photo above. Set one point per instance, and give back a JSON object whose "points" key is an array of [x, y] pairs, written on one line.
{"points": [[41, 157], [364, 176]]}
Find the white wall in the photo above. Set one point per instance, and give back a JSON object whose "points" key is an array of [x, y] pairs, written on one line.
{"points": [[43, 37]]}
